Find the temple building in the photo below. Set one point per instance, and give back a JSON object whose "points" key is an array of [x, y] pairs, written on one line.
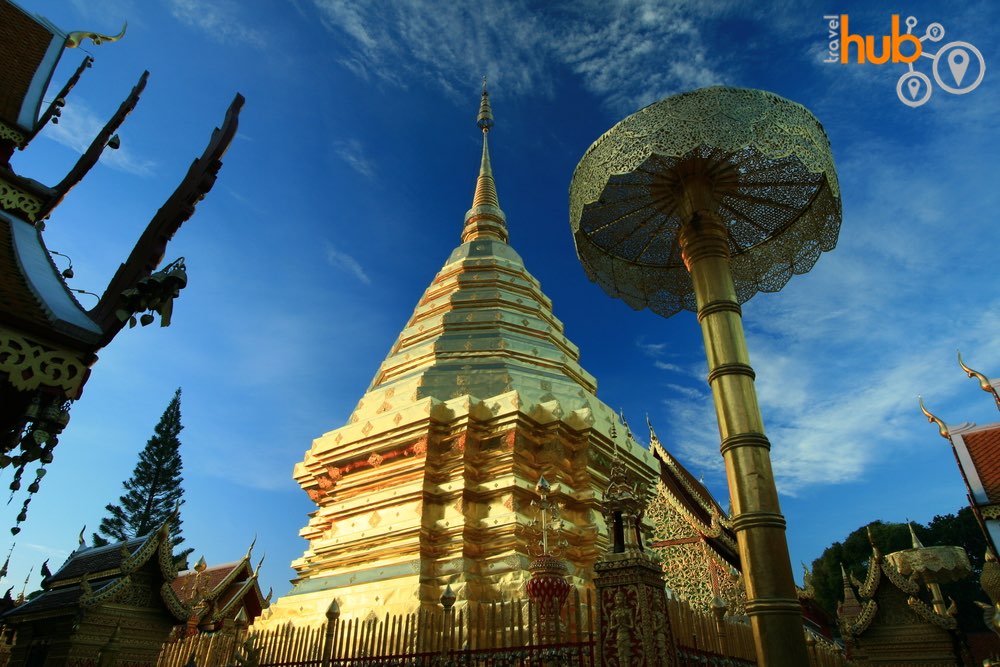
{"points": [[104, 604], [977, 452], [898, 615], [430, 483], [48, 340], [221, 597], [693, 538]]}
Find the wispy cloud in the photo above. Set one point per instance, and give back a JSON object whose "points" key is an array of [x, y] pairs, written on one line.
{"points": [[618, 50], [219, 19], [344, 262], [651, 349], [667, 366], [78, 126], [353, 153]]}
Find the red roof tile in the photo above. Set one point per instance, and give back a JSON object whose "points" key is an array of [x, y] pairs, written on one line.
{"points": [[984, 449]]}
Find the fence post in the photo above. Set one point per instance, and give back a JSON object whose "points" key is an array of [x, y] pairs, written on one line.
{"points": [[332, 619], [447, 621], [719, 610]]}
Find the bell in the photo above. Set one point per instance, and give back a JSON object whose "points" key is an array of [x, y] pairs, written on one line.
{"points": [[146, 319], [177, 278], [114, 143]]}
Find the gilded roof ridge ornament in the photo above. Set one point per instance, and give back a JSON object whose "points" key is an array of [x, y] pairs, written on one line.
{"points": [[984, 382], [75, 38], [942, 427], [917, 544], [485, 219]]}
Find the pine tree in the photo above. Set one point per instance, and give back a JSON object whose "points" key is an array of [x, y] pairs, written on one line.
{"points": [[154, 489]]}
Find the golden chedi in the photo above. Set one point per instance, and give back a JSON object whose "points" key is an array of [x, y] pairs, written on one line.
{"points": [[430, 482]]}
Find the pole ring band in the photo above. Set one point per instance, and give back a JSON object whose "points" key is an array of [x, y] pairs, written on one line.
{"points": [[722, 306], [748, 520], [772, 606], [745, 440], [731, 369]]}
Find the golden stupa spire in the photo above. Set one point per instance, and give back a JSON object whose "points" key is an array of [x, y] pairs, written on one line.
{"points": [[485, 219]]}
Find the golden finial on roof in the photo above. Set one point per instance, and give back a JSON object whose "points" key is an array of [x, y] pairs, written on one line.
{"points": [[942, 427], [74, 39], [201, 565], [871, 541], [628, 431], [485, 219], [846, 579], [917, 544], [984, 382], [256, 570]]}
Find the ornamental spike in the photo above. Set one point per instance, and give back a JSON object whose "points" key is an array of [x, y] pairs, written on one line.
{"points": [[74, 39], [984, 382], [942, 427], [917, 544]]}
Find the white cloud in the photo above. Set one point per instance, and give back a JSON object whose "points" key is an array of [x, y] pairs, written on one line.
{"points": [[352, 152], [651, 349], [220, 19], [627, 53], [667, 366], [344, 262], [77, 128]]}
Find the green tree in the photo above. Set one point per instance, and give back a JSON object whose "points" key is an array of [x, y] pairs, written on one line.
{"points": [[153, 490], [960, 529]]}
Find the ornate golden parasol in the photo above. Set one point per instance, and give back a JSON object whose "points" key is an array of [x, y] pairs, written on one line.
{"points": [[698, 202], [759, 161]]}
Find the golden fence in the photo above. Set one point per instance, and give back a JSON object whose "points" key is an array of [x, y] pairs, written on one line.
{"points": [[500, 633]]}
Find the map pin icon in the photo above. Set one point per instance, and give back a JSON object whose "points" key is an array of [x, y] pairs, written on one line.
{"points": [[914, 86], [958, 62]]}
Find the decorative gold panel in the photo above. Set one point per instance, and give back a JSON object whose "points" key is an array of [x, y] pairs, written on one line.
{"points": [[14, 198], [10, 134], [29, 365]]}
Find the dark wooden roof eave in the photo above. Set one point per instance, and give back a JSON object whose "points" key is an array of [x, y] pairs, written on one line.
{"points": [[179, 207]]}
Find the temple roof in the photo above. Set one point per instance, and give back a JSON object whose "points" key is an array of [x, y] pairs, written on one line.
{"points": [[94, 575], [34, 294], [30, 48], [695, 502], [221, 590], [978, 452]]}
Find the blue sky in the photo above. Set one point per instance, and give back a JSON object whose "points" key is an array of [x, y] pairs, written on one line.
{"points": [[346, 187]]}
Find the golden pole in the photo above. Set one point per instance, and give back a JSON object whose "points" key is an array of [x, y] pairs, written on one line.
{"points": [[773, 607]]}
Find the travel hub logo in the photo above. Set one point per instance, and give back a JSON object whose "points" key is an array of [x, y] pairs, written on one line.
{"points": [[957, 67]]}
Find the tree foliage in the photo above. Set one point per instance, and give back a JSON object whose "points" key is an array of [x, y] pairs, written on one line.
{"points": [[960, 529], [154, 489]]}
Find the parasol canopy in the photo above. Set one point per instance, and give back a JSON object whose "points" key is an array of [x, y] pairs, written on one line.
{"points": [[760, 162]]}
